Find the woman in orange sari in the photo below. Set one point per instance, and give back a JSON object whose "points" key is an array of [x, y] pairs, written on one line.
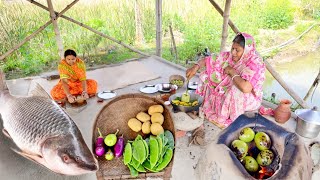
{"points": [[73, 81]]}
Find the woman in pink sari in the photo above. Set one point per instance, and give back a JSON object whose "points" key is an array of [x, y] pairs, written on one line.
{"points": [[232, 81]]}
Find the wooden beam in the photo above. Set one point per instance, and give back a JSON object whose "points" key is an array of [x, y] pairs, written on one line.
{"points": [[217, 7], [2, 57], [91, 29], [138, 21], [56, 29], [313, 86], [158, 27], [173, 44], [295, 96], [224, 35]]}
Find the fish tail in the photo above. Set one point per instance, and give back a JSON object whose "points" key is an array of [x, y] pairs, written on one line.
{"points": [[3, 85]]}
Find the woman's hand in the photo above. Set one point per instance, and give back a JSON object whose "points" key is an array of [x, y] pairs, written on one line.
{"points": [[230, 71], [85, 95], [192, 71], [71, 98]]}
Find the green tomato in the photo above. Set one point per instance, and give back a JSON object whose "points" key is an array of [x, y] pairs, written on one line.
{"points": [[250, 164], [109, 155], [246, 134], [265, 157], [262, 141], [239, 148]]}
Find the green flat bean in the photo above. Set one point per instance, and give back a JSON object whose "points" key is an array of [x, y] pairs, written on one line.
{"points": [[127, 155], [139, 151], [133, 171], [166, 160], [146, 164], [147, 149], [136, 165], [160, 145], [154, 151]]}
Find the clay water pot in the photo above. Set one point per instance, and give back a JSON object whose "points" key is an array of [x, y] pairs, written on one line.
{"points": [[283, 112]]}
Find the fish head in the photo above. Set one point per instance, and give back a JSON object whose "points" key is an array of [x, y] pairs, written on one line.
{"points": [[68, 155]]}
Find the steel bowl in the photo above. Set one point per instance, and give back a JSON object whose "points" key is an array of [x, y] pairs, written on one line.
{"points": [[193, 97]]}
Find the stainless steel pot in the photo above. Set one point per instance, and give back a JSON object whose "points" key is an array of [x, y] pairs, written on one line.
{"points": [[308, 122]]}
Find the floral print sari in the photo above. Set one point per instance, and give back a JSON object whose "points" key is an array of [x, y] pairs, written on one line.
{"points": [[223, 101]]}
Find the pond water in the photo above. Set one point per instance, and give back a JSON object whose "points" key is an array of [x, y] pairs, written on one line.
{"points": [[299, 75]]}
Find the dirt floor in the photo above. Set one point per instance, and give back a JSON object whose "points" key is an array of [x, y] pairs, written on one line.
{"points": [[15, 167]]}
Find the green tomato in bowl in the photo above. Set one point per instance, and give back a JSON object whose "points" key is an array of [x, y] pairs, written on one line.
{"points": [[246, 134]]}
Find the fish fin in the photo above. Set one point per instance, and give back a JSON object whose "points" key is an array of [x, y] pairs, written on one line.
{"points": [[3, 84], [5, 132], [39, 91], [32, 157]]}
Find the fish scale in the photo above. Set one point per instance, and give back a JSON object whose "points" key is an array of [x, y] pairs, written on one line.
{"points": [[44, 132], [29, 121]]}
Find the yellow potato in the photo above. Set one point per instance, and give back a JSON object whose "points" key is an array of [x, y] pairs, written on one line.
{"points": [[143, 117], [146, 127], [155, 109], [156, 129], [157, 118], [134, 124]]}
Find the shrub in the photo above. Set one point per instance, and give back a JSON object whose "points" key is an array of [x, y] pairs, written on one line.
{"points": [[277, 14]]}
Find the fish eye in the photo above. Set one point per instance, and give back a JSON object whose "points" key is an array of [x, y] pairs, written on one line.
{"points": [[77, 158]]}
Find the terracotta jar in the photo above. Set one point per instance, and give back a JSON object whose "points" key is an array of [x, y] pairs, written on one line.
{"points": [[283, 112]]}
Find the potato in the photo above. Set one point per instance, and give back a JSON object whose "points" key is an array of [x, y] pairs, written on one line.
{"points": [[134, 124], [155, 109], [156, 129], [146, 127], [157, 118], [143, 117]]}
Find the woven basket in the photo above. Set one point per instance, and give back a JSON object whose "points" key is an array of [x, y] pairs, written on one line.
{"points": [[115, 115]]}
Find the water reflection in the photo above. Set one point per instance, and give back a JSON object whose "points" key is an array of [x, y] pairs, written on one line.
{"points": [[299, 75]]}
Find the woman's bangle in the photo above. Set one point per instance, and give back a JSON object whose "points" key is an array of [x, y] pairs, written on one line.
{"points": [[197, 65], [234, 76]]}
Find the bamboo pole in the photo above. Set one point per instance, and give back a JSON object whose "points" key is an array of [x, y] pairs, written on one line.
{"points": [[91, 29], [56, 28], [173, 43], [158, 27], [314, 85], [217, 7], [224, 35], [2, 57], [295, 96]]}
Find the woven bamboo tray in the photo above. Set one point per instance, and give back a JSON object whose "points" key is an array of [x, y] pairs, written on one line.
{"points": [[115, 115]]}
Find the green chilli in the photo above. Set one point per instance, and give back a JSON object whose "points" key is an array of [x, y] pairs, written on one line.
{"points": [[127, 155], [166, 160], [154, 151]]}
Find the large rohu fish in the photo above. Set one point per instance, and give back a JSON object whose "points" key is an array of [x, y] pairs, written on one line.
{"points": [[44, 132]]}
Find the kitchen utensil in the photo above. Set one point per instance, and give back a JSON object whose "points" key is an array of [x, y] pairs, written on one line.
{"points": [[308, 122]]}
